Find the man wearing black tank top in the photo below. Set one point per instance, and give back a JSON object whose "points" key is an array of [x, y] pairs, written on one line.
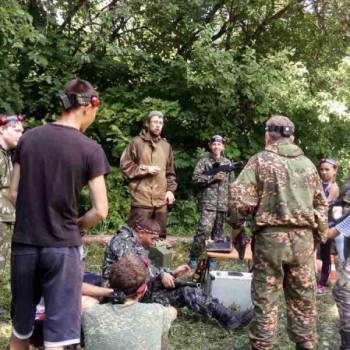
{"points": [[51, 165]]}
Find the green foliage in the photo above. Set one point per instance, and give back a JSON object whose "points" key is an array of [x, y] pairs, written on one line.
{"points": [[211, 66]]}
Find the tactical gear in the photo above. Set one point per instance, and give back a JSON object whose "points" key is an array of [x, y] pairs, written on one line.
{"points": [[240, 244], [198, 301]]}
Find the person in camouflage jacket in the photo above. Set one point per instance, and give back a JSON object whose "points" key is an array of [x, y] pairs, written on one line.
{"points": [[11, 129], [212, 197], [160, 282], [283, 190]]}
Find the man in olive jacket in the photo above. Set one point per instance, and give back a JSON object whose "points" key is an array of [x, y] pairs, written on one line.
{"points": [[148, 162]]}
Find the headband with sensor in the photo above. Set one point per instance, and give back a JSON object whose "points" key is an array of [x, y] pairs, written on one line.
{"points": [[69, 100]]}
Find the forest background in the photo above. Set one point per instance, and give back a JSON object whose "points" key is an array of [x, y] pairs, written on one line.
{"points": [[213, 67]]}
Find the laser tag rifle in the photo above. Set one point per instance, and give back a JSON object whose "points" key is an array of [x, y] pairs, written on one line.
{"points": [[240, 243], [225, 168], [185, 284]]}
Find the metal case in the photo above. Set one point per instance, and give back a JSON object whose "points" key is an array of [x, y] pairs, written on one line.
{"points": [[231, 287]]}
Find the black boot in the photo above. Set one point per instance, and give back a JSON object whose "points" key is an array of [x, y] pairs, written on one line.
{"points": [[231, 319], [198, 301], [345, 340]]}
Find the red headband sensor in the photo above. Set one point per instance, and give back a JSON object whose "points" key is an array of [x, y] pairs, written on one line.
{"points": [[11, 119]]}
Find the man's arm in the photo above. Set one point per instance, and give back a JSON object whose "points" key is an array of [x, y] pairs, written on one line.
{"points": [[199, 178], [170, 174], [95, 291], [173, 312], [99, 203], [343, 227], [13, 191], [243, 193], [320, 211], [333, 193], [130, 168]]}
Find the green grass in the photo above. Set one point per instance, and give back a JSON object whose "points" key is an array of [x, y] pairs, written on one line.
{"points": [[193, 331]]}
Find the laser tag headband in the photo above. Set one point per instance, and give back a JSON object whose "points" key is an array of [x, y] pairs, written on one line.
{"points": [[284, 130], [329, 161], [14, 118], [217, 138], [119, 294], [139, 226], [71, 100]]}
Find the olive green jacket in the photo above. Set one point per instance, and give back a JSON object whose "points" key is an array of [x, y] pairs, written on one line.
{"points": [[148, 190]]}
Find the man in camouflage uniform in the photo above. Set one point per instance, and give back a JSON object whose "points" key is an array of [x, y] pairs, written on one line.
{"points": [[283, 189], [11, 129], [160, 282], [212, 197]]}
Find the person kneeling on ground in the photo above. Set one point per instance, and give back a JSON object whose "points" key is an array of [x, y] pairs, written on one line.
{"points": [[160, 282], [124, 322]]}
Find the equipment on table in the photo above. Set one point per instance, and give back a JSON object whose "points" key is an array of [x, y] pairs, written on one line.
{"points": [[231, 287], [160, 254], [219, 245]]}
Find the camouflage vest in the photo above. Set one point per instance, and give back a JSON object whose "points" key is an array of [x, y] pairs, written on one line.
{"points": [[212, 194]]}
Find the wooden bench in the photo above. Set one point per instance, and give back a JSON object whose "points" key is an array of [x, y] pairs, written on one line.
{"points": [[233, 254]]}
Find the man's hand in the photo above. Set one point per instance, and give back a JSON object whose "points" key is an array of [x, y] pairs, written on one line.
{"points": [[153, 170], [182, 270], [219, 176], [169, 198], [236, 231], [333, 233], [168, 280]]}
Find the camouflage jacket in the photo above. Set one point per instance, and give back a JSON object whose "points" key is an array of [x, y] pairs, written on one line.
{"points": [[213, 194], [7, 210], [283, 188], [148, 190], [122, 244]]}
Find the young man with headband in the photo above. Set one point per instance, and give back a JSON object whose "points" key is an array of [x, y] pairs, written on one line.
{"points": [[11, 129], [52, 164], [212, 198], [124, 323]]}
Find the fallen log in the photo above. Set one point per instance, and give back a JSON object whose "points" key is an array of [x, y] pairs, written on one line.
{"points": [[104, 239]]}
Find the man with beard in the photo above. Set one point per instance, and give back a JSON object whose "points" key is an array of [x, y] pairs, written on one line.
{"points": [[149, 164]]}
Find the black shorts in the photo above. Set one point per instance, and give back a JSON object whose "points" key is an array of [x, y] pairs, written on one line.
{"points": [[55, 274]]}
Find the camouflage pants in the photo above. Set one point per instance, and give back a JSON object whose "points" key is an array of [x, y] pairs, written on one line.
{"points": [[211, 224], [195, 299], [341, 294], [283, 260], [5, 233]]}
